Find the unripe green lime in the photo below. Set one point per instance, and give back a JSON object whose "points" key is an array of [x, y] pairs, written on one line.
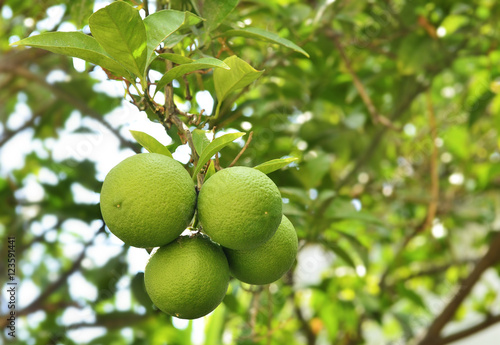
{"points": [[269, 262], [147, 200], [240, 207], [187, 278]]}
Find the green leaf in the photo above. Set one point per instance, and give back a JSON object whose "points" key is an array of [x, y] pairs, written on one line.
{"points": [[139, 291], [313, 170], [329, 316], [215, 326], [240, 75], [150, 143], [76, 44], [411, 295], [179, 71], [340, 252], [416, 52], [215, 146], [478, 108], [358, 246], [176, 58], [172, 40], [210, 170], [214, 11], [233, 304], [453, 22], [292, 210], [119, 29], [264, 35], [160, 25], [357, 215], [406, 321], [200, 140], [457, 141], [294, 193], [275, 164]]}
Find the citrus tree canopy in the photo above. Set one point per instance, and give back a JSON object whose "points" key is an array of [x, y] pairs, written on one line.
{"points": [[377, 121]]}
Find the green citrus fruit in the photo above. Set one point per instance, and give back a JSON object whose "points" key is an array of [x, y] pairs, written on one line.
{"points": [[147, 200], [269, 262], [187, 278], [239, 207]]}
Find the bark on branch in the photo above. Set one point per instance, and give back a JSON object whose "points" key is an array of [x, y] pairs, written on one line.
{"points": [[375, 115], [70, 99], [39, 302], [489, 321], [492, 257]]}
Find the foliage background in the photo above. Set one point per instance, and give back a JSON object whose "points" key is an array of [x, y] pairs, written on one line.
{"points": [[394, 119]]}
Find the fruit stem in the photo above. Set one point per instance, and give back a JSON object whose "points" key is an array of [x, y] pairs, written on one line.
{"points": [[195, 221]]}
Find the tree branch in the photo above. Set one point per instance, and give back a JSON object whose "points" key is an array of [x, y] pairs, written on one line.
{"points": [[254, 310], [146, 7], [434, 192], [10, 134], [492, 256], [113, 323], [39, 302], [431, 210], [400, 109], [78, 104], [186, 133], [304, 324], [376, 117], [242, 150], [56, 284], [377, 138], [168, 115], [439, 268], [489, 321]]}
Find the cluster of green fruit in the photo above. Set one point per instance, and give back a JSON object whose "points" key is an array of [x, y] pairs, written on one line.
{"points": [[149, 199]]}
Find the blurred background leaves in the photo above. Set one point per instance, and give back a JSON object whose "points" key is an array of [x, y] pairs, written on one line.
{"points": [[380, 256]]}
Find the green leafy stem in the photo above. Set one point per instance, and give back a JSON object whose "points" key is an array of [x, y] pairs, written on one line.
{"points": [[125, 46]]}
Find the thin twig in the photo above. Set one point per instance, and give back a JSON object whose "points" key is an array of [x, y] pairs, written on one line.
{"points": [[492, 257], [113, 323], [242, 150], [186, 133], [169, 91], [166, 118], [269, 314], [198, 120], [399, 252], [269, 333], [431, 210], [254, 309], [433, 204], [188, 91], [75, 102], [377, 138], [146, 7], [433, 270], [306, 327], [228, 103], [376, 117], [217, 163], [171, 112], [10, 134], [224, 47], [489, 321], [193, 118], [39, 302]]}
